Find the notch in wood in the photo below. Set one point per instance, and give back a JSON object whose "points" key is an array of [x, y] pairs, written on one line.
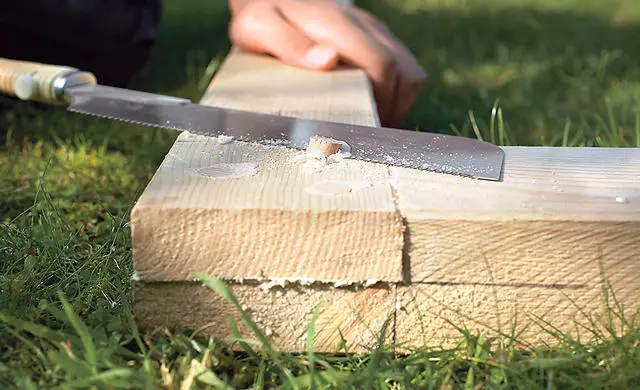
{"points": [[323, 145]]}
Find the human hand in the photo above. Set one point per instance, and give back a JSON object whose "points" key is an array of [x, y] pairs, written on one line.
{"points": [[317, 34]]}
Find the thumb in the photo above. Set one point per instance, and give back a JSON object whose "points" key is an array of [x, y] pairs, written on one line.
{"points": [[265, 31], [321, 57]]}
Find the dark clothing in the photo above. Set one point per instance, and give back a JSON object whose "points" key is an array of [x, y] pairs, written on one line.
{"points": [[111, 38]]}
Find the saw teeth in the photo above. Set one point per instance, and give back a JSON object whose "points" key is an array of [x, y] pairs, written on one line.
{"points": [[148, 124], [159, 126]]}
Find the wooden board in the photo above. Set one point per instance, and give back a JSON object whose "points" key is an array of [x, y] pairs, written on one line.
{"points": [[244, 211], [542, 246], [558, 217]]}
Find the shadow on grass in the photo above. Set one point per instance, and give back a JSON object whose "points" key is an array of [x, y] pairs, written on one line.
{"points": [[191, 33], [544, 66]]}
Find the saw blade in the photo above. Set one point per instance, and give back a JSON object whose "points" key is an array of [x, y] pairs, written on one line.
{"points": [[413, 149]]}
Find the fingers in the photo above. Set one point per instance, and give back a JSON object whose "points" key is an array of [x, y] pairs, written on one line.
{"points": [[329, 23], [410, 77], [260, 27], [316, 34]]}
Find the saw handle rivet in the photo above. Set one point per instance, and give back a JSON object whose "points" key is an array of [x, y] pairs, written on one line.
{"points": [[26, 87]]}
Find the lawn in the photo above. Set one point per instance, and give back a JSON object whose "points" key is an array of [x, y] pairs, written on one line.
{"points": [[554, 72]]}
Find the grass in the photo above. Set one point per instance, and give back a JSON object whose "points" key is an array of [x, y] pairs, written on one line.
{"points": [[526, 72]]}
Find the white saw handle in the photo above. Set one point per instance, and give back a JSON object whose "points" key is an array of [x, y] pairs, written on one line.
{"points": [[39, 82]]}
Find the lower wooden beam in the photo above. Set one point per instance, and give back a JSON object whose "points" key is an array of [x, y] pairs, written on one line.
{"points": [[416, 315], [522, 315], [350, 319]]}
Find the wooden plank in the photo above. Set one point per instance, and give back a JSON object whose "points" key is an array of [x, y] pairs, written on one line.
{"points": [[244, 211], [289, 220], [540, 243], [283, 314], [557, 211]]}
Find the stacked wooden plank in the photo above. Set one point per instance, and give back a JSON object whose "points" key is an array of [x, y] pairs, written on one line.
{"points": [[371, 244]]}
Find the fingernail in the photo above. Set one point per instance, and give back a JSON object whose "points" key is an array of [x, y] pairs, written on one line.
{"points": [[320, 55]]}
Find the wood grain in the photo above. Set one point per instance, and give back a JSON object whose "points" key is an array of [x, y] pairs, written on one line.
{"points": [[240, 210], [558, 217], [551, 183], [437, 314], [283, 314]]}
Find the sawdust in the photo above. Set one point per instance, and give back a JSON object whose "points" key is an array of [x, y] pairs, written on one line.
{"points": [[277, 285], [225, 139]]}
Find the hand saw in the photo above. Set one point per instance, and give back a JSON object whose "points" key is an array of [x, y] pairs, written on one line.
{"points": [[80, 92]]}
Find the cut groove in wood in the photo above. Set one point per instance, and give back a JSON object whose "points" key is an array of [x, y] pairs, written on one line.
{"points": [[324, 146]]}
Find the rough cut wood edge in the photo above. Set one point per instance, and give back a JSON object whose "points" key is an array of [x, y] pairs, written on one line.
{"points": [[283, 314], [238, 210]]}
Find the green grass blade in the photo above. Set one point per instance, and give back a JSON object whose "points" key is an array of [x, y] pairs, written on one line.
{"points": [[208, 73], [210, 378], [638, 128], [83, 332], [502, 131], [28, 343], [474, 126], [468, 383], [115, 378], [565, 133], [612, 120], [35, 329], [492, 122], [455, 130], [72, 366], [241, 341], [550, 380], [377, 353], [311, 335], [26, 383], [332, 378], [223, 290]]}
